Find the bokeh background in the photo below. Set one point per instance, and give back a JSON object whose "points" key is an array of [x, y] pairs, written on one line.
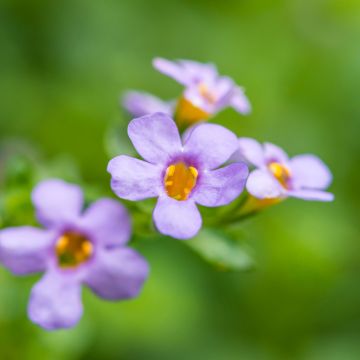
{"points": [[63, 66]]}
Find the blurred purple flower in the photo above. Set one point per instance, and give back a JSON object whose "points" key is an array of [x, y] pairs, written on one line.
{"points": [[141, 103], [74, 249], [206, 92], [277, 176], [180, 175]]}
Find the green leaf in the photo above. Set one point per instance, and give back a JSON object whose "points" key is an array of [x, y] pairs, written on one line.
{"points": [[221, 250]]}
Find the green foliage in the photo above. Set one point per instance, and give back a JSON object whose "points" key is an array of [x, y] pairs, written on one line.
{"points": [[23, 168], [117, 141], [222, 251]]}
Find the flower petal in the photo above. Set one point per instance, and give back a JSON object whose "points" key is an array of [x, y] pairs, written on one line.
{"points": [[57, 202], [107, 222], [240, 102], [309, 171], [24, 250], [210, 145], [171, 69], [219, 95], [117, 273], [179, 219], [55, 301], [206, 107], [275, 153], [315, 195], [195, 72], [186, 72], [141, 103], [262, 185], [251, 151], [134, 179], [223, 89], [155, 137], [186, 134], [220, 187]]}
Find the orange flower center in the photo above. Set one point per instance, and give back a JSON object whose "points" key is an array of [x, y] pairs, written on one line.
{"points": [[180, 180], [281, 173], [73, 249]]}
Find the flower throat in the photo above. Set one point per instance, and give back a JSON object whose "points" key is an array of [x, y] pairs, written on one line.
{"points": [[73, 249], [180, 180], [281, 173]]}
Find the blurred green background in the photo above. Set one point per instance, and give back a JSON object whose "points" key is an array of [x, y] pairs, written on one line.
{"points": [[63, 65]]}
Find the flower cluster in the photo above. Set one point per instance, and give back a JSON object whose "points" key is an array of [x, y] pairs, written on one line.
{"points": [[186, 162]]}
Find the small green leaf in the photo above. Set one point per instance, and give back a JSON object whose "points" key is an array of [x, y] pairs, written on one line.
{"points": [[222, 251]]}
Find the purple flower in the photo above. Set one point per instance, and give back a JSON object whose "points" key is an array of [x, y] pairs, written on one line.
{"points": [[206, 93], [180, 175], [73, 249], [141, 103], [277, 176]]}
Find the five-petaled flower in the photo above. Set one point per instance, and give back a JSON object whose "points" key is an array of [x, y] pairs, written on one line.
{"points": [[206, 92], [139, 103], [179, 174], [277, 176], [74, 249]]}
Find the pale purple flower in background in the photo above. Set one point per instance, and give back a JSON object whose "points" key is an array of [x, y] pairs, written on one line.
{"points": [[205, 89], [180, 175], [139, 103], [75, 248], [278, 176]]}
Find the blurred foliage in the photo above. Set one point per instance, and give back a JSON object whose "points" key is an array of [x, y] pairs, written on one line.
{"points": [[63, 66], [116, 140], [221, 250]]}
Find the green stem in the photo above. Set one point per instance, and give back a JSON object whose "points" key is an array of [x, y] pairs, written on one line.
{"points": [[232, 212], [240, 217]]}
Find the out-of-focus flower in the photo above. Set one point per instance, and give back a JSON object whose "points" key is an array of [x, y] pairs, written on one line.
{"points": [[74, 249], [206, 92], [277, 176], [141, 103], [180, 175]]}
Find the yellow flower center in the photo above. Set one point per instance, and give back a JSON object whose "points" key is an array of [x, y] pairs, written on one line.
{"points": [[73, 249], [187, 113], [281, 173], [179, 180]]}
